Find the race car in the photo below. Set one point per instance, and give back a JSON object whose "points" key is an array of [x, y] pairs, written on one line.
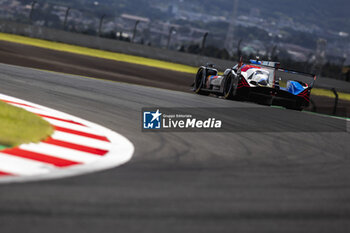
{"points": [[256, 81]]}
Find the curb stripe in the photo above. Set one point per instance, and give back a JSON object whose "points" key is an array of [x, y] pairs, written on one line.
{"points": [[89, 135], [60, 152], [75, 127], [60, 119], [73, 146], [76, 139], [58, 162], [12, 102], [5, 174]]}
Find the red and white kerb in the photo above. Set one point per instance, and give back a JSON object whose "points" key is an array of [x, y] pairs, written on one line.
{"points": [[77, 146]]}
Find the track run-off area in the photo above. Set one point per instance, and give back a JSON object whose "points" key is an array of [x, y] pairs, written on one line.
{"points": [[182, 182]]}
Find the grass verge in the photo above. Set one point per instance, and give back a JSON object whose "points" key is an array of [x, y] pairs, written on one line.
{"points": [[97, 53], [330, 94], [19, 126]]}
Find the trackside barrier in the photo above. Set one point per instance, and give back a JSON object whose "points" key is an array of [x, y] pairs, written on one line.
{"points": [[110, 45], [335, 101], [328, 105]]}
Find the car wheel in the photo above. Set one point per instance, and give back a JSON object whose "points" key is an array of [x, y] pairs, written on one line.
{"points": [[198, 83], [230, 86]]}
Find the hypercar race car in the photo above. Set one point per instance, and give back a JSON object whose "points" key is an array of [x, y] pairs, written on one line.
{"points": [[257, 82]]}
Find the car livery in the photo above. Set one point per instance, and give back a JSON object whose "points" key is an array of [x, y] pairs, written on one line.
{"points": [[256, 81]]}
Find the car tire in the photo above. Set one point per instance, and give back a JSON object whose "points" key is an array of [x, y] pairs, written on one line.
{"points": [[230, 86], [198, 83]]}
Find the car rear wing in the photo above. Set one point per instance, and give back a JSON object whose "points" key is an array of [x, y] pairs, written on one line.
{"points": [[276, 66], [270, 64], [301, 73]]}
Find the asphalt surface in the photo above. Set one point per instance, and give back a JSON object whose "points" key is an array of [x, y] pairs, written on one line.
{"points": [[181, 182], [40, 58]]}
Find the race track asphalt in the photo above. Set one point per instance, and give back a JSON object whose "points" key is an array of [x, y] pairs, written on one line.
{"points": [[181, 182]]}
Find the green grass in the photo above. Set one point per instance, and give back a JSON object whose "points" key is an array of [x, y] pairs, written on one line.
{"points": [[330, 94], [3, 147], [18, 126]]}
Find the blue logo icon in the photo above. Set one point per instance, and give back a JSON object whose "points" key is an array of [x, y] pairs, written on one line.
{"points": [[151, 120]]}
